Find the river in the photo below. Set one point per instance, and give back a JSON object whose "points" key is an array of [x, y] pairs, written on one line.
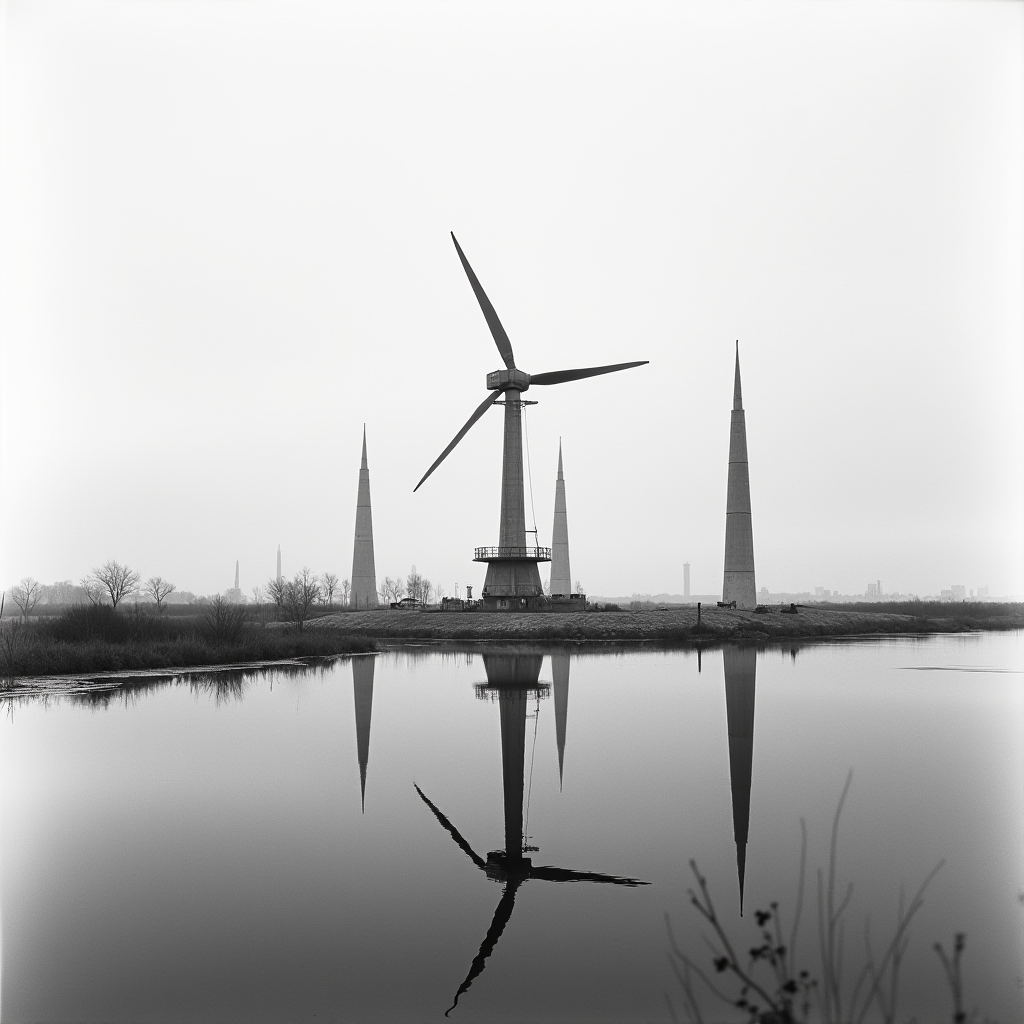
{"points": [[346, 842]]}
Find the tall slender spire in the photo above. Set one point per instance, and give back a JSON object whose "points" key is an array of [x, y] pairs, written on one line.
{"points": [[362, 686], [740, 674], [278, 563], [236, 574], [364, 574], [560, 683], [561, 577], [738, 584]]}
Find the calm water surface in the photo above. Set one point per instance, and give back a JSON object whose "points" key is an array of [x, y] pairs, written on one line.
{"points": [[346, 843]]}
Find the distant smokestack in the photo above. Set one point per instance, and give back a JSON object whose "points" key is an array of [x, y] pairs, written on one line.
{"points": [[686, 579]]}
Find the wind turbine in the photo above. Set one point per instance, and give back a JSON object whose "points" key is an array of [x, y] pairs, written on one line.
{"points": [[512, 576]]}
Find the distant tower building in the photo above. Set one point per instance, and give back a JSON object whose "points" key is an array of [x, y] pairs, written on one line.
{"points": [[561, 578], [278, 563], [738, 584], [364, 574], [235, 594], [686, 579]]}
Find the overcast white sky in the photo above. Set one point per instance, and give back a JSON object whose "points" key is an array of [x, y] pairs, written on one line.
{"points": [[226, 248]]}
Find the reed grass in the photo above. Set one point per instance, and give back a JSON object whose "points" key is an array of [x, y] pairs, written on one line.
{"points": [[93, 639], [767, 984]]}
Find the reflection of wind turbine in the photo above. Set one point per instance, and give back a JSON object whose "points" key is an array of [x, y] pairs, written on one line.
{"points": [[740, 671], [560, 684], [362, 686], [512, 566], [512, 677]]}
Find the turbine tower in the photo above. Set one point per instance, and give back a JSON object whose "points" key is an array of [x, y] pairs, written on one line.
{"points": [[738, 584], [364, 575], [561, 578], [512, 579]]}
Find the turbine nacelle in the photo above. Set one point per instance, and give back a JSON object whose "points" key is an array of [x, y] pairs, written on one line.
{"points": [[501, 380]]}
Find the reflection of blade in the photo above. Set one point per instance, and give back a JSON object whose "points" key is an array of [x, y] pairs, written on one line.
{"points": [[452, 831], [497, 331], [563, 376], [480, 410], [550, 874], [501, 918]]}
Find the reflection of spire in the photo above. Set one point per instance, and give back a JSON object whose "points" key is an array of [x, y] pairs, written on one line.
{"points": [[560, 679], [362, 685], [740, 671], [364, 573], [738, 584], [561, 578], [513, 677]]}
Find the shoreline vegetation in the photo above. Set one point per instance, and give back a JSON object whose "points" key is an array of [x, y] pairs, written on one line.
{"points": [[89, 643], [90, 640]]}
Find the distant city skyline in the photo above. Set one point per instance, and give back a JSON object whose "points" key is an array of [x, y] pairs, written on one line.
{"points": [[187, 245]]}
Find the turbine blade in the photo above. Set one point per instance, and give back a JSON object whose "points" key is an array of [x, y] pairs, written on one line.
{"points": [[453, 831], [480, 410], [552, 874], [500, 337], [502, 915], [562, 376]]}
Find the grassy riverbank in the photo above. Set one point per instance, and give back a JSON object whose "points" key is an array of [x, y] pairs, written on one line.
{"points": [[677, 624], [96, 639]]}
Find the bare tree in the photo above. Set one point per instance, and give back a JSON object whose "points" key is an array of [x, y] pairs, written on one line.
{"points": [[392, 589], [414, 585], [26, 595], [345, 590], [328, 586], [384, 590], [258, 597], [118, 580], [158, 588], [300, 594], [93, 591], [426, 591], [275, 591]]}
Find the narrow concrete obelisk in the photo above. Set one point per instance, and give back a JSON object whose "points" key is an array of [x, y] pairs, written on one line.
{"points": [[561, 578], [738, 584], [560, 685], [364, 574], [740, 674], [236, 574], [362, 686], [278, 563]]}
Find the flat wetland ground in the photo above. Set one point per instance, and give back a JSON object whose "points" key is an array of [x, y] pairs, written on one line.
{"points": [[134, 649], [677, 624]]}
